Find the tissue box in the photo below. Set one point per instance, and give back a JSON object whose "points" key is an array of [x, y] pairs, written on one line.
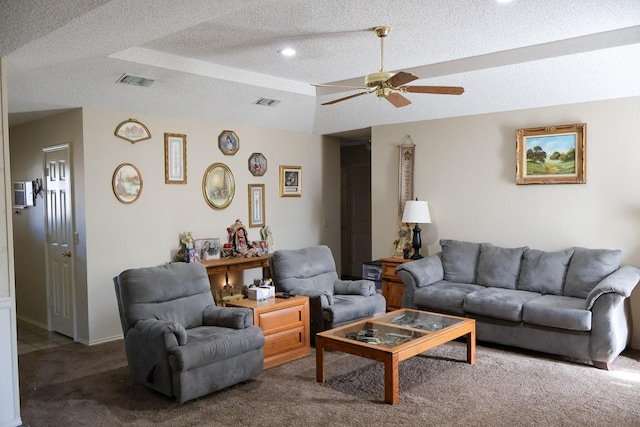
{"points": [[258, 294], [271, 289]]}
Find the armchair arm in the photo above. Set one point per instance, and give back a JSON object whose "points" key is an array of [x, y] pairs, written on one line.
{"points": [[325, 298], [228, 317], [622, 281], [153, 330], [354, 287], [419, 273]]}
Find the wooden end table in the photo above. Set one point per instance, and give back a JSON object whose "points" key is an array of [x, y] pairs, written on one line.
{"points": [[285, 323]]}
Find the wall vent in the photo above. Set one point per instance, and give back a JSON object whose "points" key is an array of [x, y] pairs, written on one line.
{"points": [[135, 80], [267, 102]]}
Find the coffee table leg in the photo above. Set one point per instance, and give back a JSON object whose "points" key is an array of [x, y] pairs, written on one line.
{"points": [[471, 347], [319, 360], [391, 379]]}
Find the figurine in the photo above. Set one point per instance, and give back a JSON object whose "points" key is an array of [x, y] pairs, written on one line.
{"points": [[265, 233], [237, 237]]}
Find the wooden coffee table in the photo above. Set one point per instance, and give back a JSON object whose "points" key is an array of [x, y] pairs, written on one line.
{"points": [[393, 337]]}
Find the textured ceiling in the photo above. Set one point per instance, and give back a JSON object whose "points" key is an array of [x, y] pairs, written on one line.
{"points": [[212, 60]]}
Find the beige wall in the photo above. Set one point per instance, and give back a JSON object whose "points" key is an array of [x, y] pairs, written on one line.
{"points": [[144, 233], [465, 168]]}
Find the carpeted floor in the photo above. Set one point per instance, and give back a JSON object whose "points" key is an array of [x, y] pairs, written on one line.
{"points": [[76, 385]]}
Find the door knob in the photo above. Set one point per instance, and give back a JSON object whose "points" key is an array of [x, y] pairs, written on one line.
{"points": [[67, 254]]}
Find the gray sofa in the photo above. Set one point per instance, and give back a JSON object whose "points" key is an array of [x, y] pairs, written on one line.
{"points": [[177, 341], [571, 303], [332, 302]]}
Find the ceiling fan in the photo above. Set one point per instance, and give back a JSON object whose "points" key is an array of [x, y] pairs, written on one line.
{"points": [[391, 85]]}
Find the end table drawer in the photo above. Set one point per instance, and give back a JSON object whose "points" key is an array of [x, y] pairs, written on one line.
{"points": [[285, 341], [274, 321]]}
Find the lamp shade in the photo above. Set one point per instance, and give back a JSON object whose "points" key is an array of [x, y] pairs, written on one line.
{"points": [[416, 211]]}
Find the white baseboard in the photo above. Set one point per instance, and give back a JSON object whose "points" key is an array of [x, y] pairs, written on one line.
{"points": [[33, 322], [101, 341]]}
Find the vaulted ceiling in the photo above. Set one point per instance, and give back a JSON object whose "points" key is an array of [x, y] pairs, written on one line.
{"points": [[213, 60]]}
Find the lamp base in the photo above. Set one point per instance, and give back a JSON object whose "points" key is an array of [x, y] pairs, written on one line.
{"points": [[416, 256]]}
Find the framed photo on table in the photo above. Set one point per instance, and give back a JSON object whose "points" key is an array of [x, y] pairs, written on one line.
{"points": [[207, 249], [175, 158], [256, 205], [551, 155], [290, 181]]}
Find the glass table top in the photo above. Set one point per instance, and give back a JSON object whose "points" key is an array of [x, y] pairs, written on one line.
{"points": [[395, 328]]}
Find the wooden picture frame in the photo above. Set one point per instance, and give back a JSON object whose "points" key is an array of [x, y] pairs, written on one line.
{"points": [[257, 164], [126, 183], [218, 186], [132, 130], [551, 155], [207, 249], [290, 181], [175, 158], [256, 205], [228, 142]]}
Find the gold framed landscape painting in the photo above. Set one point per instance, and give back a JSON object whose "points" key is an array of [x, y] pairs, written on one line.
{"points": [[551, 154]]}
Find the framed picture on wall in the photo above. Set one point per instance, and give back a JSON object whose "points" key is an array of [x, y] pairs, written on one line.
{"points": [[175, 158], [126, 183], [132, 130], [218, 186], [551, 155], [257, 164], [290, 181], [228, 142], [256, 205]]}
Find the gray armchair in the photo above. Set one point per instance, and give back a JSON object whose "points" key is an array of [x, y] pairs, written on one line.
{"points": [[332, 302], [177, 341]]}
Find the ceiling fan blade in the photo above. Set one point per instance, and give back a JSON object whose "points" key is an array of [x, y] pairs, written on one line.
{"points": [[401, 78], [439, 90], [345, 98], [398, 100], [346, 87]]}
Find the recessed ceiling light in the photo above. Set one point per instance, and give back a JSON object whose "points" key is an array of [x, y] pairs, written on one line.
{"points": [[288, 52]]}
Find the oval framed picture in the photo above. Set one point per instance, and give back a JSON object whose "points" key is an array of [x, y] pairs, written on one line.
{"points": [[218, 186], [127, 183]]}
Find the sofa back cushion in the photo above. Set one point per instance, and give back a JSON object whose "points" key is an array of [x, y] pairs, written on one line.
{"points": [[544, 272], [499, 267], [587, 268], [460, 260]]}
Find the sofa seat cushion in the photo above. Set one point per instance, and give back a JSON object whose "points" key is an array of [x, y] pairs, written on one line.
{"points": [[500, 303], [558, 312], [544, 272], [587, 268], [459, 260], [208, 344], [348, 308], [444, 296], [499, 267]]}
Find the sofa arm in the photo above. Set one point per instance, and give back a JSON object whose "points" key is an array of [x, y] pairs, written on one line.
{"points": [[228, 317], [363, 287], [419, 273], [622, 281]]}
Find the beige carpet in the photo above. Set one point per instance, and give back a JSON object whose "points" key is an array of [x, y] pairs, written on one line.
{"points": [[75, 385]]}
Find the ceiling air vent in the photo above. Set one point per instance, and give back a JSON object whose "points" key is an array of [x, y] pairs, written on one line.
{"points": [[267, 102], [135, 80]]}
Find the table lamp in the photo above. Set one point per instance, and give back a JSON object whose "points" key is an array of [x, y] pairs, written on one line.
{"points": [[416, 211]]}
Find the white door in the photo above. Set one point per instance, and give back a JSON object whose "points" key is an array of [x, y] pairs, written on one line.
{"points": [[60, 247]]}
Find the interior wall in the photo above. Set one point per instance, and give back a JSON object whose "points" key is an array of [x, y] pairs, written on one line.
{"points": [[114, 236], [146, 232], [465, 167]]}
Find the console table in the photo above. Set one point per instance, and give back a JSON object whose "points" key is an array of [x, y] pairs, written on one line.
{"points": [[225, 265]]}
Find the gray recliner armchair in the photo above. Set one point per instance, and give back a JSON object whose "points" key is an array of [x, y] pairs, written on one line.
{"points": [[178, 342], [332, 302]]}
